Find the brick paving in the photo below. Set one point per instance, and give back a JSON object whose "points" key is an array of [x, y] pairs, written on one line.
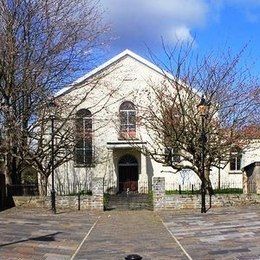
{"points": [[226, 233], [120, 233], [223, 233], [38, 234]]}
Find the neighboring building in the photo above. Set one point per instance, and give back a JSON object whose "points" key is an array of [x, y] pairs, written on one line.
{"points": [[107, 153]]}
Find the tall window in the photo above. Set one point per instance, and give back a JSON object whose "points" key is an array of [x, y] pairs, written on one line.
{"points": [[235, 160], [83, 144], [127, 113]]}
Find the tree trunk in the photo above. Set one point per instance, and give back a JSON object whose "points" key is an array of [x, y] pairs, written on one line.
{"points": [[43, 185], [208, 182], [8, 171]]}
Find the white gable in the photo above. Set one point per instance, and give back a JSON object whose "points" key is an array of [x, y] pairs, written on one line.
{"points": [[111, 62]]}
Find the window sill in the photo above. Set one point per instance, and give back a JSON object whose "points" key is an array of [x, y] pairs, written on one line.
{"points": [[83, 165], [235, 172], [127, 138]]}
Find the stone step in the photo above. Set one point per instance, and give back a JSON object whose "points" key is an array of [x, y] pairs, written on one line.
{"points": [[130, 202]]}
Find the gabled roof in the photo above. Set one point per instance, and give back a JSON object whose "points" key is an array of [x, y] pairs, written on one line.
{"points": [[109, 63]]}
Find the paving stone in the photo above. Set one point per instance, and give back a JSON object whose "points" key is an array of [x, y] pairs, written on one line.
{"points": [[34, 234], [227, 233]]}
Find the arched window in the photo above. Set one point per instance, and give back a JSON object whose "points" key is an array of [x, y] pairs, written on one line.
{"points": [[83, 144], [127, 113]]}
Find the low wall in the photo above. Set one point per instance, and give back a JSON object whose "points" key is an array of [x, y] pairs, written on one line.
{"points": [[62, 202], [94, 202], [169, 202], [194, 201]]}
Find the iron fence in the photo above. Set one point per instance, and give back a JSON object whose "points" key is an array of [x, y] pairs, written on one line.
{"points": [[194, 188], [22, 190], [113, 188]]}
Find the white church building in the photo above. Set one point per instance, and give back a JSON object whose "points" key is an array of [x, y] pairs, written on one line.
{"points": [[114, 150]]}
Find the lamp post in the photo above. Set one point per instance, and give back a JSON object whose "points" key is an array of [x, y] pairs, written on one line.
{"points": [[52, 118], [203, 110]]}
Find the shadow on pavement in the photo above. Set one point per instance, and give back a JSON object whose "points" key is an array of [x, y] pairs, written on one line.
{"points": [[46, 238]]}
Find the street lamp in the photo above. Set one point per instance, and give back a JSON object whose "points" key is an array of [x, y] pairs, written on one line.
{"points": [[203, 110], [52, 106]]}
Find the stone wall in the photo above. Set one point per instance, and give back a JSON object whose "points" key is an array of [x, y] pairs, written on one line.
{"points": [[169, 202], [62, 202], [94, 202]]}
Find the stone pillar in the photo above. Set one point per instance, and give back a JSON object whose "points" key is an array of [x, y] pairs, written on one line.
{"points": [[158, 193], [245, 182], [97, 194], [143, 178]]}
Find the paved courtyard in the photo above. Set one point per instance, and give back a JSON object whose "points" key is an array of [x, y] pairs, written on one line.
{"points": [[230, 233]]}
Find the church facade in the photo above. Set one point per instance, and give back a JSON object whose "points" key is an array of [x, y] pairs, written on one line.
{"points": [[115, 149]]}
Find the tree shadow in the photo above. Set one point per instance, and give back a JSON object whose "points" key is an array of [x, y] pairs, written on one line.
{"points": [[46, 238]]}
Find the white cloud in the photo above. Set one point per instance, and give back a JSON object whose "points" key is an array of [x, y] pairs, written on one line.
{"points": [[182, 34], [145, 21], [138, 22]]}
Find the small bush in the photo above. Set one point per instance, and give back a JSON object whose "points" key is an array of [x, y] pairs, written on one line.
{"points": [[229, 191], [184, 192]]}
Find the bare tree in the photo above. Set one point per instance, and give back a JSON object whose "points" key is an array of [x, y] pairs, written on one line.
{"points": [[67, 128], [44, 44], [174, 124]]}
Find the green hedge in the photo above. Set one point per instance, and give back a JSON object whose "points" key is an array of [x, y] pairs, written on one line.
{"points": [[216, 191]]}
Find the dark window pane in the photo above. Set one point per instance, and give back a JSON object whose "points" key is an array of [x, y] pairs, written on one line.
{"points": [[88, 144], [123, 117], [88, 124], [132, 117], [233, 164], [79, 129], [79, 156], [88, 156], [79, 143], [238, 162]]}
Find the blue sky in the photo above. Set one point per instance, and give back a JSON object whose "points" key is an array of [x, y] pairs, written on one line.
{"points": [[212, 24]]}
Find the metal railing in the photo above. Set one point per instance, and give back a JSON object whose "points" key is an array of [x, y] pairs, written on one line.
{"points": [[22, 190], [136, 186], [192, 188]]}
